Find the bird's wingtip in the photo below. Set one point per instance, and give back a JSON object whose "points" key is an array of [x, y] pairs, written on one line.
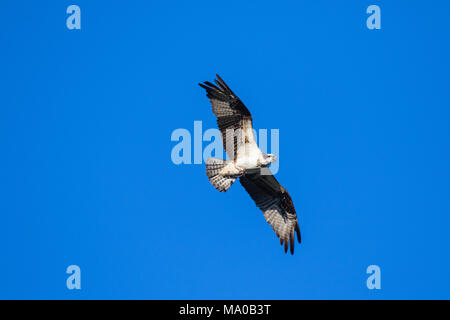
{"points": [[203, 85], [299, 235]]}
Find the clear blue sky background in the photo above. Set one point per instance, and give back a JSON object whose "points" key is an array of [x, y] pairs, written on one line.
{"points": [[86, 176]]}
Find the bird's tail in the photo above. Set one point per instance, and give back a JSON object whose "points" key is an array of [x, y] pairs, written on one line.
{"points": [[213, 168]]}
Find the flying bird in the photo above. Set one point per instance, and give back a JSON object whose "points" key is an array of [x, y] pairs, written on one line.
{"points": [[248, 163]]}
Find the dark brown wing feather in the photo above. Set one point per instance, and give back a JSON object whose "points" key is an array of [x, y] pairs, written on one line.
{"points": [[276, 204], [231, 114]]}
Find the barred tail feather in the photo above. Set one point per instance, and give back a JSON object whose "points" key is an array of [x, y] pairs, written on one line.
{"points": [[213, 168]]}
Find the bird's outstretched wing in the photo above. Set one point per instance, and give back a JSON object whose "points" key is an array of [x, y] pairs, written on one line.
{"points": [[233, 117], [276, 204]]}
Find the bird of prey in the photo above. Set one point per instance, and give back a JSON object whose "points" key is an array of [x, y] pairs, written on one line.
{"points": [[248, 163]]}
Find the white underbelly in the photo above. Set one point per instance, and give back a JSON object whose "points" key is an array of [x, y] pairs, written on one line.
{"points": [[248, 157]]}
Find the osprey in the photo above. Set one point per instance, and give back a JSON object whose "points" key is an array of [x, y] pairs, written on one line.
{"points": [[248, 163]]}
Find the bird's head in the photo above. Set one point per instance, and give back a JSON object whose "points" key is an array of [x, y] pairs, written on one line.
{"points": [[269, 158]]}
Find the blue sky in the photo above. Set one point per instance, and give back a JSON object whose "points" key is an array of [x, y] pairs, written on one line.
{"points": [[86, 176]]}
